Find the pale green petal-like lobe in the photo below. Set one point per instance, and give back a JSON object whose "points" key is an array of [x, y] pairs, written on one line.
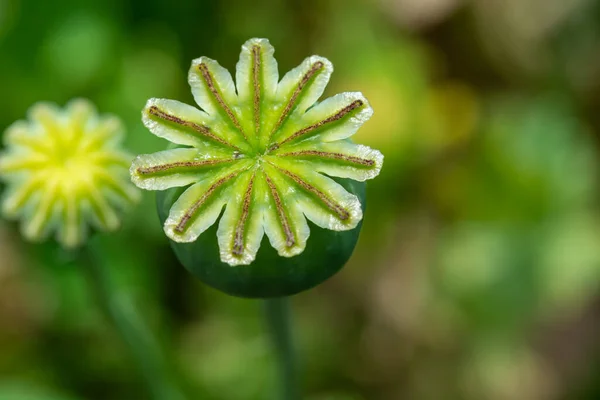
{"points": [[336, 118], [80, 112], [284, 223], [28, 137], [19, 194], [49, 117], [214, 91], [267, 71], [118, 159], [199, 206], [182, 124], [44, 212], [241, 227], [174, 168], [323, 201], [207, 76], [72, 229], [105, 134], [299, 89], [21, 161], [305, 83], [80, 118], [205, 215], [342, 159], [104, 216], [111, 187], [256, 81]]}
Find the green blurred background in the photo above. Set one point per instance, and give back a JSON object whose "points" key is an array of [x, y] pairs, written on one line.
{"points": [[478, 269]]}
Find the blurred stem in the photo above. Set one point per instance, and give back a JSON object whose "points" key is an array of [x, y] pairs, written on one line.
{"points": [[277, 315], [143, 346]]}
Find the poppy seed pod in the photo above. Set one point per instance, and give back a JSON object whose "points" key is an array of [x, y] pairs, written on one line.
{"points": [[270, 156]]}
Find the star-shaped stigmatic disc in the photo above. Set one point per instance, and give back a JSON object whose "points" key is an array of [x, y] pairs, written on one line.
{"points": [[262, 148]]}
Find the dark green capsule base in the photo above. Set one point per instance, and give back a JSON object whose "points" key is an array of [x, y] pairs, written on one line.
{"points": [[269, 275]]}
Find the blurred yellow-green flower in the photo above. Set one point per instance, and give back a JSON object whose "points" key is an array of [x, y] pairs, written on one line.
{"points": [[65, 170]]}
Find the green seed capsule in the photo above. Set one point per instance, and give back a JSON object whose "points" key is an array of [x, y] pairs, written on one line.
{"points": [[269, 275]]}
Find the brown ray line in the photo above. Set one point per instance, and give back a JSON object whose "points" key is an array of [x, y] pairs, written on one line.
{"points": [[335, 117], [283, 219], [213, 89], [326, 154], [332, 205], [182, 164], [190, 213], [256, 73], [311, 72], [201, 129], [238, 243]]}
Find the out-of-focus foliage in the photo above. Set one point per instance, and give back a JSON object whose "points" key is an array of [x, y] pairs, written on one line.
{"points": [[478, 268]]}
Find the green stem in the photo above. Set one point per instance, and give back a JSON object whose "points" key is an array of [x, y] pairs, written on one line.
{"points": [[277, 315], [143, 346]]}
